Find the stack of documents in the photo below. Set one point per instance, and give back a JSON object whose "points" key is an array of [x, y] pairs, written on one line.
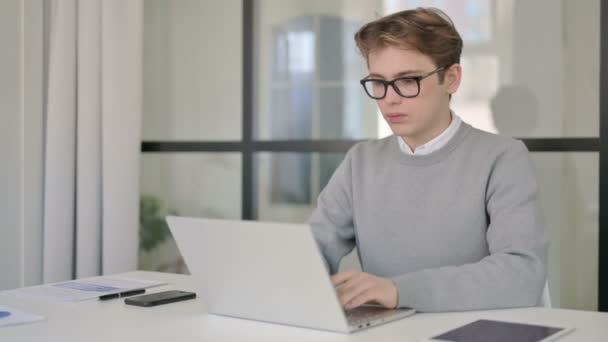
{"points": [[82, 289], [10, 316]]}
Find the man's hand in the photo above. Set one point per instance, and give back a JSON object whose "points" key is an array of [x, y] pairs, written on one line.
{"points": [[357, 288]]}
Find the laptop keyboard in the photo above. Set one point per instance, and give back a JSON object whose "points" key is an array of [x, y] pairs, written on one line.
{"points": [[363, 315]]}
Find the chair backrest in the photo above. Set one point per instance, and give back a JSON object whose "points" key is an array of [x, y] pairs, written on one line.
{"points": [[545, 300]]}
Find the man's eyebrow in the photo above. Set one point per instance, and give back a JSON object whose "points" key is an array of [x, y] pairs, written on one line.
{"points": [[397, 75]]}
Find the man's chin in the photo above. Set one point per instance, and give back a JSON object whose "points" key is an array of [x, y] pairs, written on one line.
{"points": [[403, 131]]}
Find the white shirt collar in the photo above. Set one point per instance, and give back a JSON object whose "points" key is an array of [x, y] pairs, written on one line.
{"points": [[435, 144]]}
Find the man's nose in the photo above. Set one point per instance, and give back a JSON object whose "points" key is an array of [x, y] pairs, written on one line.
{"points": [[391, 96]]}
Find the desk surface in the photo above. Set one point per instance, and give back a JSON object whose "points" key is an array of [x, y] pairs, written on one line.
{"points": [[112, 321]]}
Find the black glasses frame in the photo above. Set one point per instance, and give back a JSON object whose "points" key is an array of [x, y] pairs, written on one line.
{"points": [[392, 84]]}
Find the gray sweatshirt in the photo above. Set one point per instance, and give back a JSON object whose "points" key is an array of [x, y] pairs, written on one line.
{"points": [[458, 229]]}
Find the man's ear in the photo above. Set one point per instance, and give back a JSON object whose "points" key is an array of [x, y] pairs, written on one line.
{"points": [[452, 78]]}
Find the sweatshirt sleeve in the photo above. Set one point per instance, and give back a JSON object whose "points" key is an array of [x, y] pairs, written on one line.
{"points": [[332, 220], [514, 273]]}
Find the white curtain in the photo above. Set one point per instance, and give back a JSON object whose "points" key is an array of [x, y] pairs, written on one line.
{"points": [[93, 101]]}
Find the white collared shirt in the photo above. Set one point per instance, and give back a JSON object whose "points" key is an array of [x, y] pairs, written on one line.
{"points": [[435, 144]]}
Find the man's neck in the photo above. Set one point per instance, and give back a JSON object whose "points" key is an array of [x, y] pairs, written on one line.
{"points": [[416, 141]]}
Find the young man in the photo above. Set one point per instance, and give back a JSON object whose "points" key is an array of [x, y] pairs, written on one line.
{"points": [[445, 217]]}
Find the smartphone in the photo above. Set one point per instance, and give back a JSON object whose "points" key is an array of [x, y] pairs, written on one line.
{"points": [[160, 298]]}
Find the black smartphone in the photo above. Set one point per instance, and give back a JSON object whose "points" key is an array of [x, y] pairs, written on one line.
{"points": [[154, 299]]}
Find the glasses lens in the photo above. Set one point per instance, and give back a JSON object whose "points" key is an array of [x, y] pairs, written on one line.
{"points": [[407, 86], [375, 89]]}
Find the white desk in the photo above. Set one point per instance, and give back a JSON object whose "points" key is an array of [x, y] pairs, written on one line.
{"points": [[112, 321]]}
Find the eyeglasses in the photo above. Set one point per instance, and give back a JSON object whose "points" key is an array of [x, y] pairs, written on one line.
{"points": [[407, 87]]}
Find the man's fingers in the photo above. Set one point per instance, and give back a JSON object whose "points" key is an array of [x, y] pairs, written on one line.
{"points": [[340, 278], [357, 288], [362, 298], [353, 289]]}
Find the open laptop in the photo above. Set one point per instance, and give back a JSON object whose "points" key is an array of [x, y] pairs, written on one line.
{"points": [[270, 272]]}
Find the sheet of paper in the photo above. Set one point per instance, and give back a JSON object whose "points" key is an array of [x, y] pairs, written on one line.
{"points": [[81, 289], [10, 316]]}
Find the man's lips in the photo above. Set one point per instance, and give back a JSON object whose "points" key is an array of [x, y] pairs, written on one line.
{"points": [[396, 117]]}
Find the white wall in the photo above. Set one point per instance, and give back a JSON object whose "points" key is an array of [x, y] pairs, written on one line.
{"points": [[579, 229], [581, 40]]}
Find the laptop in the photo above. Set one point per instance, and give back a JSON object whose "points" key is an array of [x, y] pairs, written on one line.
{"points": [[270, 272]]}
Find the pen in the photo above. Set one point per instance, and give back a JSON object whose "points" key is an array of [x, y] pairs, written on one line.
{"points": [[122, 294]]}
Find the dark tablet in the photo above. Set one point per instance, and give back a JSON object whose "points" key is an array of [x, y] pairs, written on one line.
{"points": [[498, 331]]}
